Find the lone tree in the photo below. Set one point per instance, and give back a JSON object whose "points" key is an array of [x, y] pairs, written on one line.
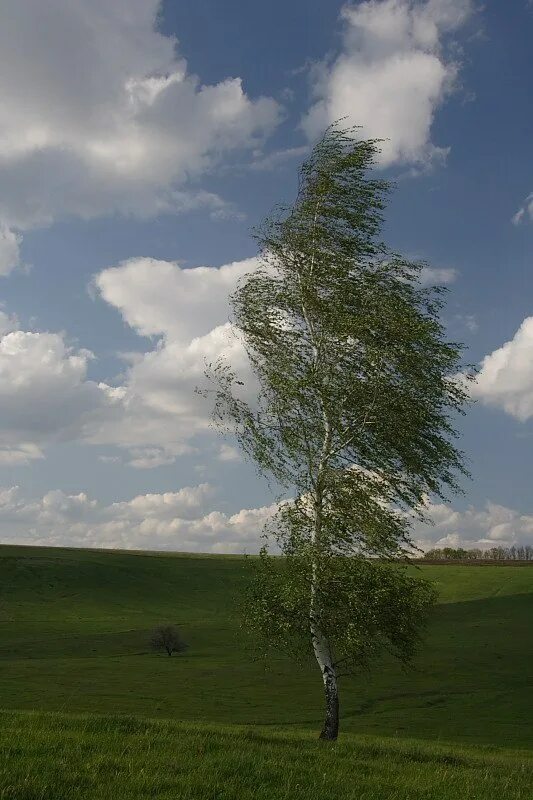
{"points": [[167, 638], [355, 398]]}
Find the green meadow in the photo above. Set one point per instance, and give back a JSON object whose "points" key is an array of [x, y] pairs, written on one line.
{"points": [[88, 711]]}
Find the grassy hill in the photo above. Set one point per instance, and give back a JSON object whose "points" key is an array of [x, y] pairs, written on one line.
{"points": [[74, 626]]}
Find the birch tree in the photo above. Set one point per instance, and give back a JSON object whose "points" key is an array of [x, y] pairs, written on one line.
{"points": [[353, 418]]}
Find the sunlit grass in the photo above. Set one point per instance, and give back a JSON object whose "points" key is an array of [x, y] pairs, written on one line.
{"points": [[60, 757]]}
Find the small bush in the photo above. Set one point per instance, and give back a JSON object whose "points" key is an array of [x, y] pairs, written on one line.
{"points": [[167, 638]]}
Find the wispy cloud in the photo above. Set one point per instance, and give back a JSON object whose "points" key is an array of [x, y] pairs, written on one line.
{"points": [[525, 212]]}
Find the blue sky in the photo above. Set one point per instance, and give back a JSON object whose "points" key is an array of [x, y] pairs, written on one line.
{"points": [[140, 140]]}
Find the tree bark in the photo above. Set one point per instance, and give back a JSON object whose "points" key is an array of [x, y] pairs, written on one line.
{"points": [[330, 731], [321, 648]]}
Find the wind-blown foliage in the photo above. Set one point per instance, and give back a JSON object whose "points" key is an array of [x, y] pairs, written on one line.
{"points": [[367, 608], [357, 391]]}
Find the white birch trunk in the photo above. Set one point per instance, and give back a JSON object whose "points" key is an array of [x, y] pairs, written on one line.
{"points": [[329, 677], [320, 643]]}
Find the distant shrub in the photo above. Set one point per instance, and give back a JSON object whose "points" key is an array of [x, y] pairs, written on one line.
{"points": [[167, 638]]}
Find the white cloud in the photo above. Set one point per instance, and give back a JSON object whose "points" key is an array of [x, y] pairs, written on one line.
{"points": [[9, 250], [524, 212], [160, 298], [109, 459], [185, 521], [505, 379], [469, 321], [187, 504], [229, 453], [154, 414], [391, 75], [178, 521], [8, 322], [158, 412], [44, 394], [272, 161], [18, 453], [99, 114], [492, 526], [151, 457], [433, 276]]}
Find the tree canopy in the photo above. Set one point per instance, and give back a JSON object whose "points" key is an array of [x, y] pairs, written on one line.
{"points": [[357, 389]]}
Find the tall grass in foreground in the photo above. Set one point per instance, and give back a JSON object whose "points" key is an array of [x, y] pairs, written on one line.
{"points": [[62, 757]]}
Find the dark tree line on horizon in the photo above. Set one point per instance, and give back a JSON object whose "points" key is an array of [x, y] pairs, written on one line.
{"points": [[514, 553]]}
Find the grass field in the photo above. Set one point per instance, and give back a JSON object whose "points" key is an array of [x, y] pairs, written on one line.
{"points": [[73, 639], [64, 757]]}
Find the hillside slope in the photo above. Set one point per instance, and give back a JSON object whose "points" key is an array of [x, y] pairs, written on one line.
{"points": [[74, 627]]}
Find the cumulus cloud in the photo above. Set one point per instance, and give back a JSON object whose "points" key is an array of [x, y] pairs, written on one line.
{"points": [[160, 298], [44, 393], [153, 414], [525, 212], [99, 114], [391, 75], [178, 521], [492, 526], [185, 521], [505, 379], [186, 311]]}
